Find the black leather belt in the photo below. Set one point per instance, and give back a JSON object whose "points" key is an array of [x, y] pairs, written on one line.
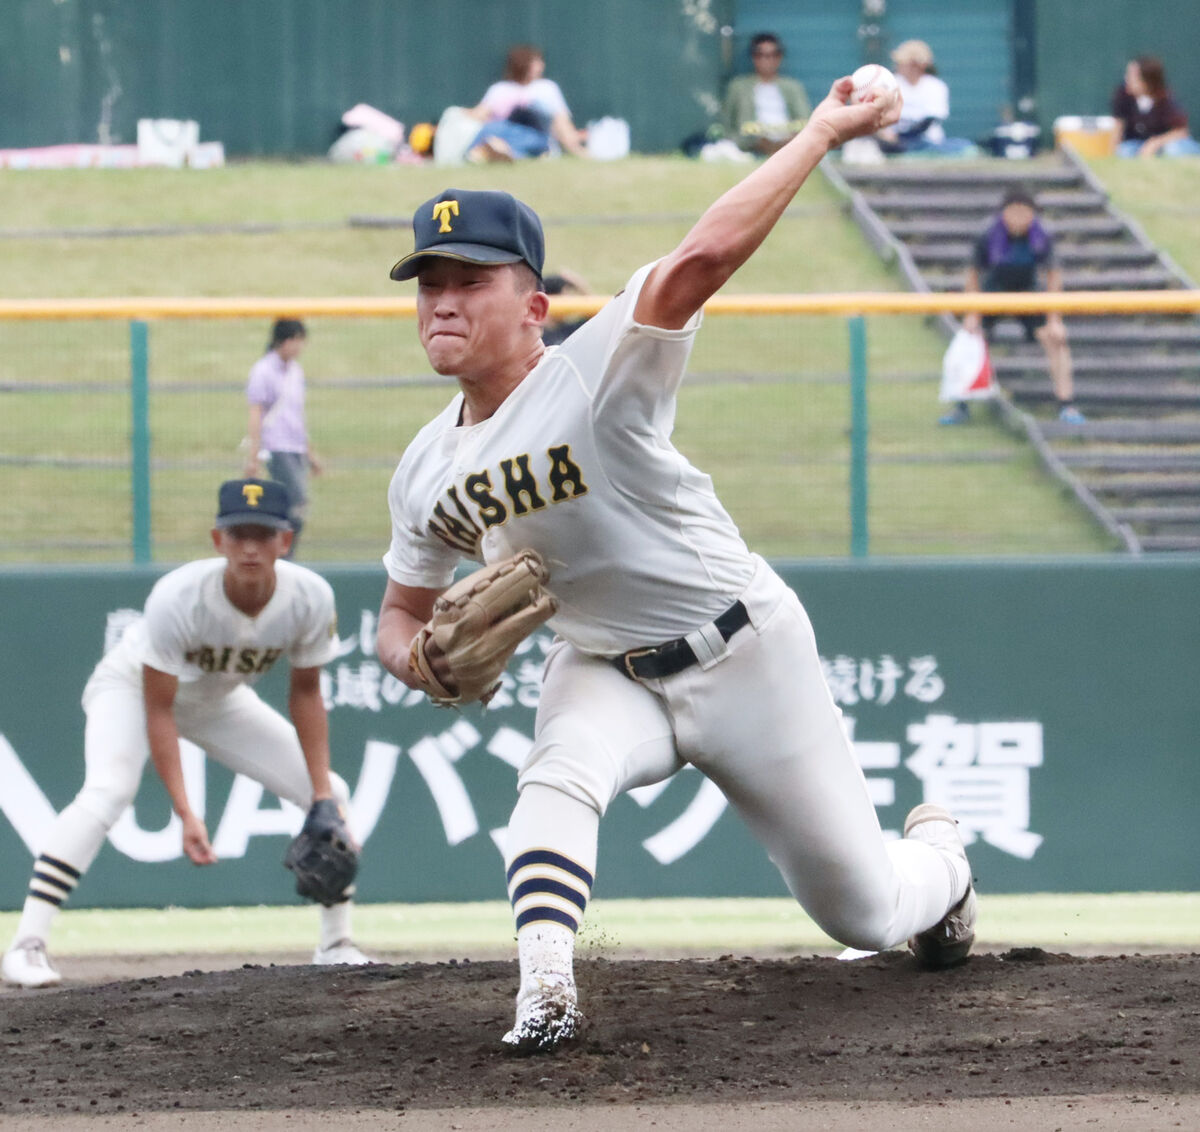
{"points": [[674, 656]]}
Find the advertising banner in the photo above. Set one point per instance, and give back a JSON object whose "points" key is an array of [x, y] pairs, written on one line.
{"points": [[1050, 705]]}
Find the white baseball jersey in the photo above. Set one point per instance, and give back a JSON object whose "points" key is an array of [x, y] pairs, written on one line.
{"points": [[190, 629], [577, 464]]}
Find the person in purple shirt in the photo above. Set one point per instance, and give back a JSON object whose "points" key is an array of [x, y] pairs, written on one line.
{"points": [[1153, 124], [277, 434], [1008, 256]]}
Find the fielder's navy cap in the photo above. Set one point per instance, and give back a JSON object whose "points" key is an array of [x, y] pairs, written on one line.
{"points": [[472, 226], [259, 503]]}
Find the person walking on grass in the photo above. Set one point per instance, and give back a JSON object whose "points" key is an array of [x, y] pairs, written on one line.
{"points": [[277, 431]]}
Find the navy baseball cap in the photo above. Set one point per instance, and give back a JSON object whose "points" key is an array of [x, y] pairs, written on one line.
{"points": [[259, 503], [487, 227]]}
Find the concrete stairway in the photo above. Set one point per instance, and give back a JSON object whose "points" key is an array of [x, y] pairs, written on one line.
{"points": [[1136, 464]]}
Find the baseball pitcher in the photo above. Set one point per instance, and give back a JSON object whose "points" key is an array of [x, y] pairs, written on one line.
{"points": [[554, 468]]}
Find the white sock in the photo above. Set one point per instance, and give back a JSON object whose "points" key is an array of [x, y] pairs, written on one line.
{"points": [[68, 852], [335, 924], [551, 860], [546, 953], [944, 837]]}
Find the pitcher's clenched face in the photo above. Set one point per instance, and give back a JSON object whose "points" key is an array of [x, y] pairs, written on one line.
{"points": [[472, 317]]}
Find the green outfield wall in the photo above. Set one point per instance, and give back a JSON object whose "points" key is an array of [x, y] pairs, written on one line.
{"points": [[1052, 704], [271, 77]]}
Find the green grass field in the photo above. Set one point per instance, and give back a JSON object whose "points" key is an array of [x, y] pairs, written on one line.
{"points": [[677, 927], [766, 414]]}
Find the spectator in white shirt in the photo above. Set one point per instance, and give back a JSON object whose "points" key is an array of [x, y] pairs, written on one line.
{"points": [[525, 113], [926, 105]]}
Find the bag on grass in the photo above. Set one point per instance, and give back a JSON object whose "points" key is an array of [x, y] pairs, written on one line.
{"points": [[967, 373], [456, 130], [608, 139]]}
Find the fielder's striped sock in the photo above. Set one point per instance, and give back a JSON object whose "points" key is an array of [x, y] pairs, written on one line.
{"points": [[53, 880], [546, 887]]}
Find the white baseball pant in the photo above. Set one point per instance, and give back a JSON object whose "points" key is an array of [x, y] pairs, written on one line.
{"points": [[238, 730], [760, 722]]}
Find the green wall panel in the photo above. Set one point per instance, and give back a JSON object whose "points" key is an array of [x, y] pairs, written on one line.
{"points": [[274, 76], [1101, 36], [972, 44], [1051, 704], [271, 77]]}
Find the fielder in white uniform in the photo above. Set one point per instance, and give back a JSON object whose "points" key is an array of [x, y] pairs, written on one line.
{"points": [[209, 631], [675, 643]]}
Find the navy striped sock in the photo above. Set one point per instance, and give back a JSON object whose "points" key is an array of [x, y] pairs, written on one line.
{"points": [[544, 886], [53, 880]]}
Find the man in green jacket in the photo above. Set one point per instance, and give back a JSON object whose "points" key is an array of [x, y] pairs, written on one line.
{"points": [[763, 110]]}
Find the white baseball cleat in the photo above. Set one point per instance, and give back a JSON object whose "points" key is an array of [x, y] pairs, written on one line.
{"points": [[341, 953], [949, 941], [545, 1022], [27, 965]]}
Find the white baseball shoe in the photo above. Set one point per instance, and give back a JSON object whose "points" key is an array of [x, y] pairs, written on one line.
{"points": [[545, 1022], [949, 941], [27, 965], [341, 953]]}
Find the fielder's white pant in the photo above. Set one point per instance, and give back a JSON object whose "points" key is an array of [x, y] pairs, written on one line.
{"points": [[238, 730], [761, 724]]}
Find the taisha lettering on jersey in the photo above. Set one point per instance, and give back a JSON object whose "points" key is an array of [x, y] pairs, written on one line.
{"points": [[228, 658], [516, 489]]}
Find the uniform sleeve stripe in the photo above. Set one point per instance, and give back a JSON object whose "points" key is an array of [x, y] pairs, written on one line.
{"points": [[549, 857], [541, 885], [541, 913], [62, 866]]}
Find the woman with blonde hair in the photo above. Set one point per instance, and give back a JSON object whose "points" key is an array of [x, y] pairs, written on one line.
{"points": [[925, 108]]}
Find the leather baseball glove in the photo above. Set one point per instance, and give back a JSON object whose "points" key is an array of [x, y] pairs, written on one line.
{"points": [[324, 856], [478, 623]]}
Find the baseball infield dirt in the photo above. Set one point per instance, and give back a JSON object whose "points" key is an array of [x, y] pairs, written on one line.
{"points": [[741, 1038]]}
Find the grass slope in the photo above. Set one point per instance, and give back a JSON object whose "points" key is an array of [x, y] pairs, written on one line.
{"points": [[766, 414]]}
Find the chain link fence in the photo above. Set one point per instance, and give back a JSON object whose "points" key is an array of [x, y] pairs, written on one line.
{"points": [[112, 457]]}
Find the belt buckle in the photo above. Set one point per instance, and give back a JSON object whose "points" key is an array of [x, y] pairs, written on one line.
{"points": [[634, 654]]}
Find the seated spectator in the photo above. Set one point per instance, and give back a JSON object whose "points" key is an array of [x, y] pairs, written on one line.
{"points": [[1152, 123], [566, 282], [926, 106], [526, 114], [1007, 256], [763, 111]]}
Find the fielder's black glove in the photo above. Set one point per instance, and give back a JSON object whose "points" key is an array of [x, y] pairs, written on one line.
{"points": [[323, 856]]}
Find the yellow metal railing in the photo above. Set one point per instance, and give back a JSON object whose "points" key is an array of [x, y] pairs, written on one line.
{"points": [[877, 302], [139, 312]]}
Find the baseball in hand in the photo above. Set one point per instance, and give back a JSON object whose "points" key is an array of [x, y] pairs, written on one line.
{"points": [[872, 77]]}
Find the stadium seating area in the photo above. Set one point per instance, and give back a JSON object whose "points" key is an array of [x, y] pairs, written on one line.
{"points": [[1136, 462]]}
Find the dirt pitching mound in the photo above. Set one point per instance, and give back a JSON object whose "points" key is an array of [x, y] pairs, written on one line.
{"points": [[420, 1036]]}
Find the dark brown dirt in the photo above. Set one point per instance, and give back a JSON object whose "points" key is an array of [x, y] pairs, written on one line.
{"points": [[1024, 1023]]}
